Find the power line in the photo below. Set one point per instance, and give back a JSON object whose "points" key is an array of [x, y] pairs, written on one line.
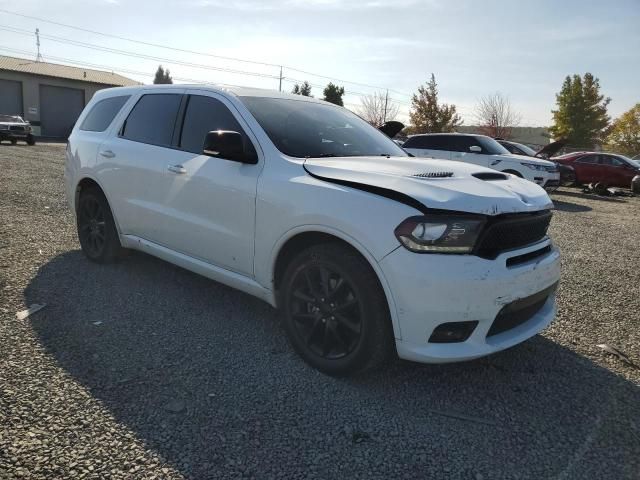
{"points": [[40, 19], [135, 54], [182, 50]]}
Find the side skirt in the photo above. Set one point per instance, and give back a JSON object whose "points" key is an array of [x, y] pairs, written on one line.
{"points": [[227, 277]]}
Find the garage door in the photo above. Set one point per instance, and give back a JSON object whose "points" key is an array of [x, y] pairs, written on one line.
{"points": [[10, 97], [60, 107]]}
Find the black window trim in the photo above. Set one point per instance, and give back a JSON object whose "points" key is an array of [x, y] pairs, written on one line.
{"points": [[180, 117]]}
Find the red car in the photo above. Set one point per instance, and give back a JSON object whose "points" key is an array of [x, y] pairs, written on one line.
{"points": [[607, 168]]}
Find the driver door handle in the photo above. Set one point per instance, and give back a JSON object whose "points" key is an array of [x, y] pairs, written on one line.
{"points": [[107, 154], [177, 169]]}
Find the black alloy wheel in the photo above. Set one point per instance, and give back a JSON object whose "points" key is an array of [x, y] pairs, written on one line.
{"points": [[335, 311], [96, 228], [91, 226], [326, 311]]}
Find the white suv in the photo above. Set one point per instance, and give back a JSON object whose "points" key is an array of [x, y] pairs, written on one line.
{"points": [[366, 251], [484, 151]]}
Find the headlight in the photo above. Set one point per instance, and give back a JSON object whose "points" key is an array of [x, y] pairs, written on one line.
{"points": [[541, 168], [4, 127], [440, 233]]}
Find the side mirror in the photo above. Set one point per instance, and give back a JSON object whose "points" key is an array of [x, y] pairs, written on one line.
{"points": [[475, 149], [227, 145]]}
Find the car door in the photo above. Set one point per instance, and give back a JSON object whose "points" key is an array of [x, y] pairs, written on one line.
{"points": [[466, 148], [132, 163], [211, 201], [614, 171], [587, 168]]}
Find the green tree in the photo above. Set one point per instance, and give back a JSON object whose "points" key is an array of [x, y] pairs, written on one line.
{"points": [[427, 115], [624, 136], [162, 76], [581, 116], [304, 89], [333, 94]]}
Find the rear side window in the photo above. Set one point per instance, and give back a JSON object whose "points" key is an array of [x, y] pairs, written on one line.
{"points": [[430, 142], [103, 113], [204, 114], [588, 159], [153, 119]]}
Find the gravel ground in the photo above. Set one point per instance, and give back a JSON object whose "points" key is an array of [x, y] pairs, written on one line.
{"points": [[143, 370]]}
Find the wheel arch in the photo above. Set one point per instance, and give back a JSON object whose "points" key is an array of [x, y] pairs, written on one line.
{"points": [[88, 181], [297, 239], [83, 184]]}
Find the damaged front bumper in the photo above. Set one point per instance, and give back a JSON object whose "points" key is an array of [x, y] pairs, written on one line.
{"points": [[496, 303]]}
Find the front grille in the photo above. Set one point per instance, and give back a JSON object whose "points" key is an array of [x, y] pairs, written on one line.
{"points": [[518, 312], [16, 128], [507, 232]]}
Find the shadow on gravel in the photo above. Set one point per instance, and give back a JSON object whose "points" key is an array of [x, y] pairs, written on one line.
{"points": [[570, 207], [203, 375]]}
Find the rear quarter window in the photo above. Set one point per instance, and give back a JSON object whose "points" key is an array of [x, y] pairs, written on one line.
{"points": [[102, 114]]}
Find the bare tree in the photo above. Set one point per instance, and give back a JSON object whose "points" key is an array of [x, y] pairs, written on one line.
{"points": [[378, 109], [495, 116]]}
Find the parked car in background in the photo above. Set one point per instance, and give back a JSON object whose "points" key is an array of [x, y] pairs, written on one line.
{"points": [[609, 169], [567, 175], [484, 151], [14, 128], [365, 251]]}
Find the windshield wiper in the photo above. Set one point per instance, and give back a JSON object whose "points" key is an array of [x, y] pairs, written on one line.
{"points": [[322, 155]]}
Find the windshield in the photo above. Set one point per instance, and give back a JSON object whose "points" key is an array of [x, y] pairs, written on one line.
{"points": [[490, 146], [628, 161], [10, 118], [306, 129]]}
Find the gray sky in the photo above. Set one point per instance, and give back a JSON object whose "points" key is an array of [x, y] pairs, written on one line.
{"points": [[522, 49]]}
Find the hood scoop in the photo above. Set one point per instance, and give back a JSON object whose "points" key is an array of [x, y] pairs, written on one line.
{"points": [[489, 176], [441, 174]]}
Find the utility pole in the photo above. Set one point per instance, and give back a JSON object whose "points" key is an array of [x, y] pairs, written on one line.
{"points": [[386, 101], [38, 56], [280, 86]]}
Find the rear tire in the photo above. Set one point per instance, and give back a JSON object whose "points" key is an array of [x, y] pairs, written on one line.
{"points": [[335, 311], [96, 228], [13, 141]]}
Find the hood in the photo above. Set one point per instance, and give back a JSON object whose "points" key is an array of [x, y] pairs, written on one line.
{"points": [[391, 128], [525, 159], [434, 184], [550, 150]]}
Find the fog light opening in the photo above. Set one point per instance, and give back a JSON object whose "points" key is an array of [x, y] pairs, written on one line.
{"points": [[453, 332]]}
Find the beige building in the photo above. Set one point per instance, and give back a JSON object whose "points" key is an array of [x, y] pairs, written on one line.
{"points": [[49, 95]]}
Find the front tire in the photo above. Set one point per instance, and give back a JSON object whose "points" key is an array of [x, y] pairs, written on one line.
{"points": [[31, 140], [335, 311], [13, 141], [96, 228]]}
